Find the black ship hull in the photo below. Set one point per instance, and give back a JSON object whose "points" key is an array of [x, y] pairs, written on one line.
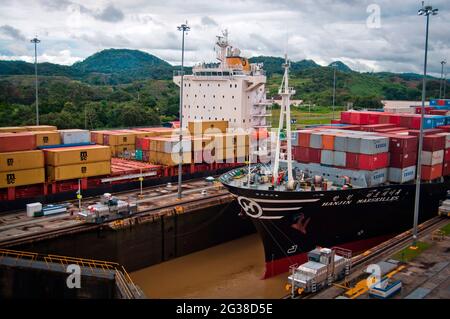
{"points": [[293, 223]]}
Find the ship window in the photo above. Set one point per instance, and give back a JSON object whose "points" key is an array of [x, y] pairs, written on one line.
{"points": [[195, 117], [203, 106], [231, 85], [214, 96], [195, 95], [209, 118], [220, 107], [223, 96], [218, 84], [204, 95], [202, 117], [189, 84], [197, 106], [214, 107], [184, 84], [199, 84], [208, 84], [215, 118], [243, 121], [234, 120], [235, 109], [232, 97], [235, 85]]}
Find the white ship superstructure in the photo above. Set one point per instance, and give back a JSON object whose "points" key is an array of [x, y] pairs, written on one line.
{"points": [[231, 90]]}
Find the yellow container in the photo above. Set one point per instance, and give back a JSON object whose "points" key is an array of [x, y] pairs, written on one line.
{"points": [[169, 159], [120, 150], [60, 173], [229, 140], [36, 128], [22, 177], [115, 139], [44, 138], [12, 129], [77, 155], [12, 161], [199, 127]]}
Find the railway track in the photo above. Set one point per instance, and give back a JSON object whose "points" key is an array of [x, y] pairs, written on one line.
{"points": [[384, 249]]}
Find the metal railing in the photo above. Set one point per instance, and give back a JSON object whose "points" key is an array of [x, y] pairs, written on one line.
{"points": [[122, 278]]}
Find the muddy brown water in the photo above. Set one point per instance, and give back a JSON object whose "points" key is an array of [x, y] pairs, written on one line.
{"points": [[230, 270]]}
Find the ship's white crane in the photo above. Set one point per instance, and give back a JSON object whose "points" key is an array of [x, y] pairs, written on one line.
{"points": [[285, 91]]}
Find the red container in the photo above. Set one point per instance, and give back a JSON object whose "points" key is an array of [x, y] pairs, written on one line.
{"points": [[374, 118], [389, 130], [438, 112], [445, 128], [431, 172], [384, 118], [402, 143], [351, 128], [304, 137], [425, 132], [374, 127], [405, 120], [402, 160], [351, 160], [12, 142], [447, 155], [433, 143], [336, 122], [360, 118], [446, 169], [372, 162], [143, 143], [314, 155], [301, 154], [394, 119], [345, 117]]}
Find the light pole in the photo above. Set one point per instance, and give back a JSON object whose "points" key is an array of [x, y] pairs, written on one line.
{"points": [[443, 62], [183, 28], [426, 11], [334, 86], [36, 41]]}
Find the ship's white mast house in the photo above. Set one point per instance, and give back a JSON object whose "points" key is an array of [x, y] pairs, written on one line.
{"points": [[232, 90]]}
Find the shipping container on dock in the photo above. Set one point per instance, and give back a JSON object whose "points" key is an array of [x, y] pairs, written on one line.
{"points": [[201, 127], [122, 150], [39, 128], [432, 158], [169, 159], [433, 143], [75, 136], [44, 138], [430, 173], [67, 172], [13, 161], [77, 155], [119, 138], [447, 138], [402, 160], [22, 141], [22, 177]]}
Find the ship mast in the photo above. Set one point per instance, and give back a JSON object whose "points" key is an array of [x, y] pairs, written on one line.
{"points": [[285, 91]]}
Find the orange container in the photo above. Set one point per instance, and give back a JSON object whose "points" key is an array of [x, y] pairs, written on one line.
{"points": [[328, 142], [431, 172]]}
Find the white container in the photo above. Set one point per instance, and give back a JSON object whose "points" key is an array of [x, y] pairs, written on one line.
{"points": [[374, 145], [315, 140], [340, 143], [33, 208], [432, 158], [376, 177], [75, 136], [354, 144], [327, 157], [173, 146], [339, 158], [401, 175]]}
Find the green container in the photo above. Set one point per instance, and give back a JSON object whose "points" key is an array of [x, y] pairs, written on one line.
{"points": [[138, 155]]}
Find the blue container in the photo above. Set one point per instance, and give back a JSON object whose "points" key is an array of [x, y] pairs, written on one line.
{"points": [[428, 122], [447, 120], [65, 145], [138, 155], [439, 120]]}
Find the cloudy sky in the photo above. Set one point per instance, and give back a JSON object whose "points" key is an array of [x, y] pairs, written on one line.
{"points": [[383, 35]]}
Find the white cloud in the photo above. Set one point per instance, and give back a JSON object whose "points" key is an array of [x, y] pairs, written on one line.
{"points": [[322, 30]]}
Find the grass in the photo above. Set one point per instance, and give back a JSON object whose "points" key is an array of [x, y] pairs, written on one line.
{"points": [[407, 254], [446, 229], [318, 115]]}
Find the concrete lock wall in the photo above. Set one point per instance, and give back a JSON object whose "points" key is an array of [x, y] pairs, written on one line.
{"points": [[26, 279]]}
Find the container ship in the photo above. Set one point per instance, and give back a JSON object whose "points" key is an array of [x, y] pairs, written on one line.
{"points": [[349, 184]]}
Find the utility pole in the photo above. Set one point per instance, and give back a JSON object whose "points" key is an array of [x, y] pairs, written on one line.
{"points": [[427, 11], [36, 41], [443, 62], [334, 86], [184, 28]]}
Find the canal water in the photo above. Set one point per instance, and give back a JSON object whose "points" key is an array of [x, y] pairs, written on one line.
{"points": [[230, 270]]}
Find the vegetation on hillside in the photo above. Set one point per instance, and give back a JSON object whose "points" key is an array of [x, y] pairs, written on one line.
{"points": [[121, 88]]}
